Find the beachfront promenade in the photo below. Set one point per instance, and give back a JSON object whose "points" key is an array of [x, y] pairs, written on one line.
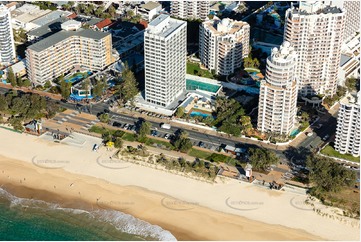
{"points": [[176, 203]]}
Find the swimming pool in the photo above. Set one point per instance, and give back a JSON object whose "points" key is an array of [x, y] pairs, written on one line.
{"points": [[294, 132], [78, 77], [204, 115], [194, 85]]}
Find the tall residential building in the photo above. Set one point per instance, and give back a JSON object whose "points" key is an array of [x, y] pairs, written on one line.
{"points": [[278, 93], [352, 9], [64, 51], [348, 126], [165, 52], [7, 46], [190, 9], [316, 32], [223, 44]]}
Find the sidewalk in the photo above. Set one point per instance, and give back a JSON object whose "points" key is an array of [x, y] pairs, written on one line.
{"points": [[203, 130]]}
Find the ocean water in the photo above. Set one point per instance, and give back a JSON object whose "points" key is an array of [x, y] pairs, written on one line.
{"points": [[29, 219]]}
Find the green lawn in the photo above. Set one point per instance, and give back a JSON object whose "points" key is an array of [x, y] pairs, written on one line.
{"points": [[128, 137], [330, 151], [194, 69], [151, 141], [199, 153]]}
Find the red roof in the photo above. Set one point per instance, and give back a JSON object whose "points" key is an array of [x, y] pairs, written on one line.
{"points": [[104, 23], [73, 15], [143, 23]]}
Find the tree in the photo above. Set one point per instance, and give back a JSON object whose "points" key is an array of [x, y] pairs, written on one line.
{"points": [[3, 103], [180, 112], [99, 11], [261, 158], [71, 3], [98, 89], [351, 84], [86, 86], [118, 143], [19, 81], [143, 131], [305, 116], [104, 117], [47, 84], [111, 11], [246, 123], [26, 83], [129, 86], [66, 6], [130, 13], [17, 123], [65, 89], [181, 142], [11, 77], [328, 175]]}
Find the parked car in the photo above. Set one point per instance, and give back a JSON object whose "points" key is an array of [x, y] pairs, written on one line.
{"points": [[309, 134], [126, 126], [325, 137], [167, 136], [154, 133], [117, 124], [201, 144]]}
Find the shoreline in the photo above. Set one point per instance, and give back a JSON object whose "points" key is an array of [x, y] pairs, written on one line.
{"points": [[140, 200], [189, 209]]}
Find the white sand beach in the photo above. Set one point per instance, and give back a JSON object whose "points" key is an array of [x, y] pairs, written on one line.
{"points": [[188, 208]]}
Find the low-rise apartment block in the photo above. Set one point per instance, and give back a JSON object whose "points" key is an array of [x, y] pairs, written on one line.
{"points": [[67, 50]]}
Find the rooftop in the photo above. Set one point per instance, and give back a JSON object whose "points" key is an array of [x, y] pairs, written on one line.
{"points": [[350, 99], [104, 23], [150, 5], [62, 35], [224, 26], [50, 17], [344, 59], [321, 9], [164, 25], [49, 28]]}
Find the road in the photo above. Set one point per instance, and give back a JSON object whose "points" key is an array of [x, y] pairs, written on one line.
{"points": [[328, 120]]}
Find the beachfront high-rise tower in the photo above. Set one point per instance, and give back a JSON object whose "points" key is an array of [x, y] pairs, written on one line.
{"points": [[352, 9], [278, 93], [190, 9], [348, 126], [7, 46], [316, 32], [223, 44], [165, 53]]}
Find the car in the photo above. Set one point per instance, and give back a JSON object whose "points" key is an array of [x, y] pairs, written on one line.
{"points": [[325, 137], [154, 133], [167, 136], [309, 134], [133, 128], [126, 126], [201, 144], [117, 124]]}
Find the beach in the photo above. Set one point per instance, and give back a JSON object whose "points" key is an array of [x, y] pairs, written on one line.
{"points": [[76, 177]]}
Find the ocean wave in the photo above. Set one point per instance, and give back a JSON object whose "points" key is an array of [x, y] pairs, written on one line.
{"points": [[123, 222], [132, 225]]}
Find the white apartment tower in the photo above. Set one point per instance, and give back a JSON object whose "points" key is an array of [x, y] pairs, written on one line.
{"points": [[7, 46], [316, 32], [165, 53], [352, 9], [348, 126], [223, 44], [190, 9], [278, 93]]}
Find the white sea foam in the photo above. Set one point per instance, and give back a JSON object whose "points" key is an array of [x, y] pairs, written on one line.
{"points": [[123, 222]]}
